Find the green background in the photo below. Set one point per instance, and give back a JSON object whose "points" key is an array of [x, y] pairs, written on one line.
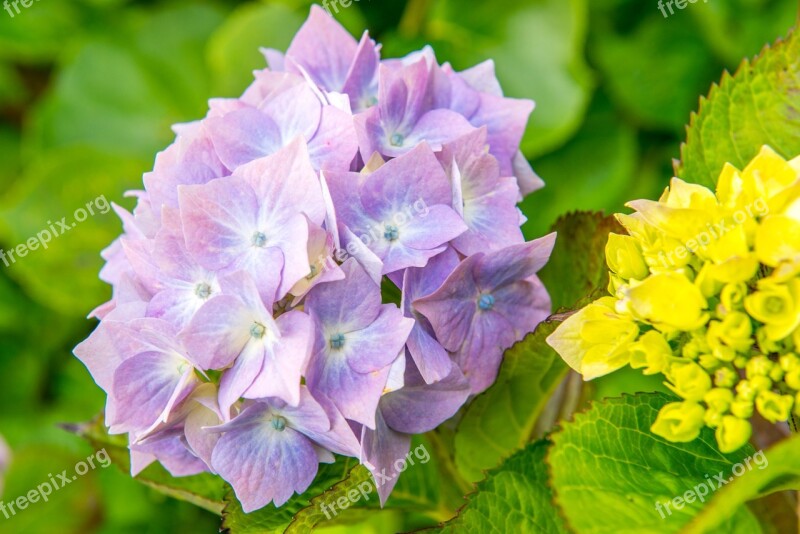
{"points": [[89, 89]]}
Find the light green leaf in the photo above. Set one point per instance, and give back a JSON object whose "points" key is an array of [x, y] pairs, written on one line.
{"points": [[609, 471], [758, 105], [770, 471], [514, 497]]}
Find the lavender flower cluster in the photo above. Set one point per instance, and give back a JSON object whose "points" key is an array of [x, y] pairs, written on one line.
{"points": [[248, 334]]}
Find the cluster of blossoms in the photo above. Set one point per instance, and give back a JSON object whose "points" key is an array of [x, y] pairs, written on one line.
{"points": [[706, 290], [248, 334]]}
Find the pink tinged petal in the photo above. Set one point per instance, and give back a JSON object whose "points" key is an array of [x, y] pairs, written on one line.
{"points": [[176, 306], [169, 448], [275, 59], [338, 438], [383, 453], [365, 257], [418, 234], [330, 211], [139, 253], [218, 332], [480, 355], [527, 180], [429, 356], [219, 220], [285, 184], [201, 441], [335, 145], [493, 220], [147, 387], [482, 78], [285, 360], [419, 408], [324, 49], [377, 346], [140, 461], [264, 464], [356, 395], [244, 135], [514, 263], [369, 132], [436, 128], [450, 308], [361, 83], [296, 108], [505, 119], [236, 380], [349, 304]]}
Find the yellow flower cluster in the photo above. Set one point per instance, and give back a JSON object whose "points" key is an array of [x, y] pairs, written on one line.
{"points": [[705, 289]]}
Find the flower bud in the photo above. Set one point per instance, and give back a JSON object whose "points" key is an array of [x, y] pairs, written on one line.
{"points": [[776, 374], [737, 331], [732, 433], [741, 407], [760, 383], [689, 380], [624, 257], [773, 406], [652, 352], [745, 390], [789, 361], [792, 379], [775, 305], [719, 399], [732, 297], [758, 366], [679, 421], [725, 377]]}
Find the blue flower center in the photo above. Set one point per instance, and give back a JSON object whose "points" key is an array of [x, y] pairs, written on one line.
{"points": [[337, 341], [259, 239], [202, 290], [391, 232], [397, 139], [486, 302], [279, 423], [258, 330]]}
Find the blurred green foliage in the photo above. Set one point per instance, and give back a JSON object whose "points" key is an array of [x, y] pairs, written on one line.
{"points": [[89, 89]]}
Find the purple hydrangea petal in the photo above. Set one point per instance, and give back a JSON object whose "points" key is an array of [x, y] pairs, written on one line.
{"points": [[382, 449]]}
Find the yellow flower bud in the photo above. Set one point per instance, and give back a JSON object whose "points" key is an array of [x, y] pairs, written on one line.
{"points": [[742, 408], [719, 399], [689, 380], [776, 306], [789, 361], [679, 421], [760, 383], [595, 340], [736, 331], [725, 377], [758, 366], [792, 379], [732, 433], [777, 239], [624, 257], [652, 352], [745, 390], [773, 406], [712, 418], [732, 297], [776, 374], [668, 301]]}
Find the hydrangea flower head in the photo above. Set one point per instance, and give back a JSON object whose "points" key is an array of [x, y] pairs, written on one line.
{"points": [[248, 335], [705, 288]]}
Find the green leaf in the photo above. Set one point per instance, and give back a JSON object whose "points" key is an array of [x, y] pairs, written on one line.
{"points": [[204, 490], [39, 33], [767, 472], [275, 520], [233, 50], [609, 471], [514, 497], [660, 92], [758, 105], [63, 276], [577, 266], [502, 419]]}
